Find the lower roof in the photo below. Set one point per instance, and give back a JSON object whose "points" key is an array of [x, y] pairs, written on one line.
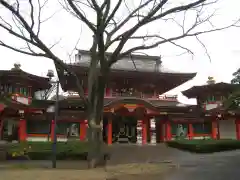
{"points": [[222, 88], [18, 76]]}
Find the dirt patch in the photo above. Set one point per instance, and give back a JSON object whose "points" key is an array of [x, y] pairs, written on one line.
{"points": [[135, 168], [127, 171]]}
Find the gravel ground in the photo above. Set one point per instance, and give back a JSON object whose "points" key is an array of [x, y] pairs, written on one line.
{"points": [[127, 171]]}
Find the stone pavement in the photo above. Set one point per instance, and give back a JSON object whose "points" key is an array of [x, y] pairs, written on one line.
{"points": [[119, 172], [154, 163], [217, 166]]}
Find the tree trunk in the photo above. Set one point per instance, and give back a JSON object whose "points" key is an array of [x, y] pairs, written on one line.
{"points": [[96, 154], [1, 129]]}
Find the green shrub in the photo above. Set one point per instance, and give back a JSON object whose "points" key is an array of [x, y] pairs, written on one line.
{"points": [[205, 146], [43, 150]]}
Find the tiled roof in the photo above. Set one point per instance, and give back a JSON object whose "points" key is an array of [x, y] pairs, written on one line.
{"points": [[131, 63]]}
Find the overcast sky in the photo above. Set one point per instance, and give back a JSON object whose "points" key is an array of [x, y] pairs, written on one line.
{"points": [[223, 47]]}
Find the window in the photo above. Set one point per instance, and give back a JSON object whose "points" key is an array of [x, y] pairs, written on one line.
{"points": [[179, 129], [202, 128], [207, 126], [10, 89], [71, 129], [23, 91], [38, 127], [29, 91], [6, 89]]}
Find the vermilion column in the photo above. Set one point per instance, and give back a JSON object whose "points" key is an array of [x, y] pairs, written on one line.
{"points": [[161, 132], [86, 91], [190, 129], [237, 122], [22, 130], [144, 131], [108, 92], [168, 130], [52, 130], [109, 131], [83, 130], [214, 129]]}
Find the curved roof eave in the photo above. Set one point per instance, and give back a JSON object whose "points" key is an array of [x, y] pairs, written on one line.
{"points": [[112, 103], [42, 81], [195, 91]]}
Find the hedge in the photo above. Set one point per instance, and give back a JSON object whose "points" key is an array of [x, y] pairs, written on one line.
{"points": [[205, 146], [43, 151]]}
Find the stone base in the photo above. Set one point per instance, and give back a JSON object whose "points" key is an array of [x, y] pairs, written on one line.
{"points": [[3, 155]]}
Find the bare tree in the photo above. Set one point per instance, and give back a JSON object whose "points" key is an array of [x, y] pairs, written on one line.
{"points": [[114, 25], [46, 94]]}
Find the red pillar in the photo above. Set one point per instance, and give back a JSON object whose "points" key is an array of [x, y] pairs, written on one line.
{"points": [[237, 122], [168, 131], [190, 129], [86, 91], [52, 130], [83, 130], [161, 131], [144, 131], [109, 131], [214, 129], [22, 130], [108, 92]]}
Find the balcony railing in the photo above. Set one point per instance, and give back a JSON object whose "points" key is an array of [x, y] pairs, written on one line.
{"points": [[143, 95], [134, 95]]}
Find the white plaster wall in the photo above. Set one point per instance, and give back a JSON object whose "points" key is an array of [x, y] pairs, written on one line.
{"points": [[202, 137], [10, 124], [227, 129], [44, 139]]}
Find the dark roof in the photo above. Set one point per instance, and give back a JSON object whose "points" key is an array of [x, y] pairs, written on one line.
{"points": [[38, 82], [136, 66], [223, 88], [132, 73], [138, 56], [164, 81], [134, 62]]}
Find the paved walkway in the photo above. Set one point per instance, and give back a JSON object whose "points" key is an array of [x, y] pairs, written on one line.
{"points": [[218, 166], [158, 160]]}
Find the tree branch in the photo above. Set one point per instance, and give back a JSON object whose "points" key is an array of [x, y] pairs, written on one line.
{"points": [[21, 51], [110, 17], [81, 16], [150, 17], [38, 43], [165, 40]]}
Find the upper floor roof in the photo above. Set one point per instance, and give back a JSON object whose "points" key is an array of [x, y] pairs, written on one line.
{"points": [[146, 68]]}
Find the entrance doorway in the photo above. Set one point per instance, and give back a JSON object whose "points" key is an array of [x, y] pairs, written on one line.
{"points": [[10, 130], [124, 129]]}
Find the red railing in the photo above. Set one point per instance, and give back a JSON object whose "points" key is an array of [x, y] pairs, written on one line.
{"points": [[135, 95]]}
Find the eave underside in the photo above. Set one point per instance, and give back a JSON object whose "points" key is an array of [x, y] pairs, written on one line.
{"points": [[166, 81], [17, 76]]}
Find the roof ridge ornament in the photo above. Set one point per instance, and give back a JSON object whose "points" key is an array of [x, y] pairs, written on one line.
{"points": [[211, 80], [17, 66], [158, 63]]}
